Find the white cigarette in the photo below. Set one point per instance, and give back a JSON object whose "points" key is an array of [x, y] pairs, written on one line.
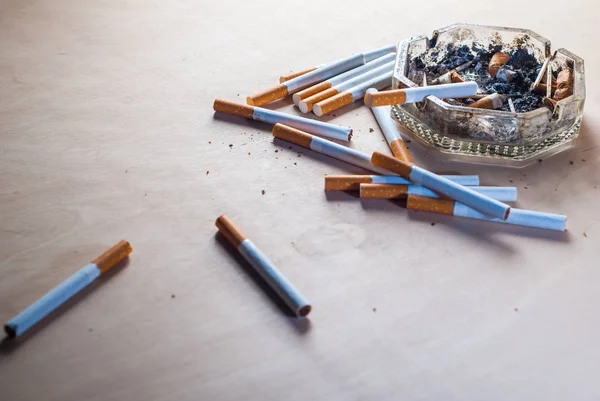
{"points": [[417, 94], [307, 104], [338, 79]]}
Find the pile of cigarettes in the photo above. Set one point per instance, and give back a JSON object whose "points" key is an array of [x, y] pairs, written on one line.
{"points": [[331, 86]]}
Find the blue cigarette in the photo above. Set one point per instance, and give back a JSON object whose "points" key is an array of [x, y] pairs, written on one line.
{"points": [[443, 186], [264, 267], [519, 217], [71, 286], [388, 191], [353, 182]]}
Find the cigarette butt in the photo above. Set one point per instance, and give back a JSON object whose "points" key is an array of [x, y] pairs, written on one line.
{"points": [[268, 96], [520, 217], [442, 185], [273, 117], [498, 60], [308, 92], [65, 290], [264, 267], [230, 231], [549, 103], [491, 102], [234, 109], [306, 105], [423, 204], [451, 77], [345, 182], [455, 78], [293, 75], [333, 103], [113, 256], [400, 150], [543, 88], [564, 83], [292, 135], [383, 191]]}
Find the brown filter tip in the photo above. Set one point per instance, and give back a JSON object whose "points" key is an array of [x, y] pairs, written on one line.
{"points": [[333, 103], [400, 151], [292, 135], [345, 182], [432, 205], [293, 75], [268, 96], [392, 164], [456, 78], [383, 191], [307, 104], [229, 230], [113, 256], [235, 109], [497, 61], [564, 83], [385, 98], [485, 103], [313, 90]]}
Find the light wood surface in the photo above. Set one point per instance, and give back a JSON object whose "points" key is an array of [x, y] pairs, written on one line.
{"points": [[107, 133]]}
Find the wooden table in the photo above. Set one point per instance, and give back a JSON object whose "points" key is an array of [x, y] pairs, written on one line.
{"points": [[107, 132]]}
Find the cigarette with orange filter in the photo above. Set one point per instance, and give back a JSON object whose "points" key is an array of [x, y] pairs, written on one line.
{"points": [[365, 79], [441, 185], [390, 131], [353, 94], [491, 102], [327, 130], [264, 267], [338, 79], [498, 60], [326, 147], [417, 94], [310, 78], [65, 290], [519, 217], [391, 191], [353, 182], [296, 74]]}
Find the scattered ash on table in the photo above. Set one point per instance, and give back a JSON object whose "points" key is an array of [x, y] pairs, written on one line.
{"points": [[437, 62]]}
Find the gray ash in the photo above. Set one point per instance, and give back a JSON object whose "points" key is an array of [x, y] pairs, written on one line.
{"points": [[524, 64]]}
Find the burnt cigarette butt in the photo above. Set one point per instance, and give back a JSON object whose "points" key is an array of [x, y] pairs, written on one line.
{"points": [[498, 60], [543, 88], [451, 77], [268, 96], [383, 191], [345, 182], [549, 103], [293, 75], [400, 150], [490, 102], [564, 84]]}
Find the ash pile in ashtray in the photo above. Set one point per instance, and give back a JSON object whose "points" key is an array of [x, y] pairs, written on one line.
{"points": [[523, 68]]}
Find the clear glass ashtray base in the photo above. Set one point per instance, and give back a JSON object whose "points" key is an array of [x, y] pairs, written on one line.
{"points": [[488, 153]]}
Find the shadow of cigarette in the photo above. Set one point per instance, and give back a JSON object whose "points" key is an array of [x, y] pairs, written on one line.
{"points": [[302, 325]]}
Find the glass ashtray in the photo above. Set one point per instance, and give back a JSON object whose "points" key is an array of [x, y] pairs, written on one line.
{"points": [[489, 136]]}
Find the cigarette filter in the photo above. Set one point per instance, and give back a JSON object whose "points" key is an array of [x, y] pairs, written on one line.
{"points": [[348, 75], [65, 290], [326, 147], [264, 267], [417, 94], [310, 78], [273, 117], [389, 191], [517, 217], [307, 104], [351, 95], [441, 185], [353, 182], [493, 101], [390, 131], [498, 60], [564, 84]]}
